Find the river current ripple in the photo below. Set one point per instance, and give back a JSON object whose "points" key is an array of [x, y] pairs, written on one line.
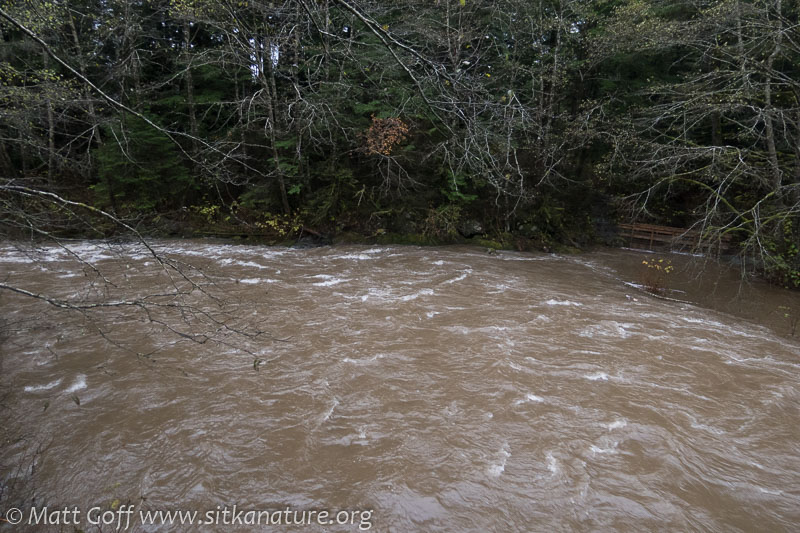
{"points": [[446, 388]]}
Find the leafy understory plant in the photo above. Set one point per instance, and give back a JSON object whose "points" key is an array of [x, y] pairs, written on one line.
{"points": [[282, 225], [655, 275], [792, 318]]}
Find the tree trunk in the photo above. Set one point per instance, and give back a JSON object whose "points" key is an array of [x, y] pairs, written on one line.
{"points": [[82, 68], [776, 178], [51, 129], [797, 149], [6, 166], [716, 129], [189, 80], [272, 94]]}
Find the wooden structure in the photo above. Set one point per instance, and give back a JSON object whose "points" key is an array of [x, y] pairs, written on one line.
{"points": [[666, 237]]}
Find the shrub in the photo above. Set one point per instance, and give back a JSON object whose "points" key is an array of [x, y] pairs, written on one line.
{"points": [[655, 274]]}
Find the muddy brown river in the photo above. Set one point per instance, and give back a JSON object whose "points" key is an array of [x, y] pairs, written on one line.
{"points": [[393, 389]]}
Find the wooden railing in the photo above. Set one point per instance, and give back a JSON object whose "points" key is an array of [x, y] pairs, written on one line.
{"points": [[669, 237]]}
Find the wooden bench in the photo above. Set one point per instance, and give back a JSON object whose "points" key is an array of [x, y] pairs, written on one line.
{"points": [[669, 237]]}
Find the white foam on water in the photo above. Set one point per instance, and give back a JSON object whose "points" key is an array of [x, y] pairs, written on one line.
{"points": [[611, 450], [722, 329], [220, 251], [703, 321], [462, 277], [697, 425], [438, 263], [37, 388], [500, 288], [635, 286], [355, 257], [13, 256], [567, 303], [253, 281], [250, 264], [423, 292], [463, 330], [330, 282], [511, 256], [617, 424], [500, 467], [379, 294], [431, 314], [87, 252], [607, 328], [365, 360], [329, 412], [530, 397], [79, 384], [552, 463], [599, 376]]}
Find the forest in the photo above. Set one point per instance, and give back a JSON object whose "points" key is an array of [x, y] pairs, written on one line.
{"points": [[526, 124]]}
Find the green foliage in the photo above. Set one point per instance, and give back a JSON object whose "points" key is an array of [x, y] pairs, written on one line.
{"points": [[140, 169], [490, 244], [791, 317], [783, 262], [281, 225], [373, 107], [442, 222], [340, 194], [208, 212], [259, 198], [655, 274], [456, 187], [531, 116]]}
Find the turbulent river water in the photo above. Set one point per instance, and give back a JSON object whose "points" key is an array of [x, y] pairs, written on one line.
{"points": [[443, 389]]}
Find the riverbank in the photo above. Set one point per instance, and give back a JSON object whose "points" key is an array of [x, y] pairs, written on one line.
{"points": [[438, 228], [387, 229]]}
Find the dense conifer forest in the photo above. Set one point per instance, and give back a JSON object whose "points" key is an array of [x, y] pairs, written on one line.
{"points": [[528, 124]]}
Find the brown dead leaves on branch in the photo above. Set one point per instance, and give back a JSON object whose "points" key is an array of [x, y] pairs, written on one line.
{"points": [[384, 134]]}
